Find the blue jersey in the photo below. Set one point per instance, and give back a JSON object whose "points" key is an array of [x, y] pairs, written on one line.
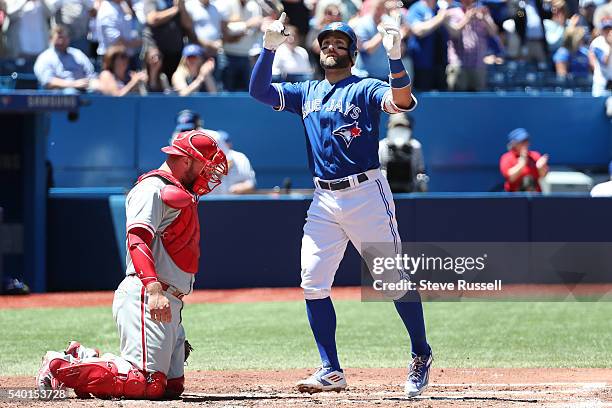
{"points": [[341, 122]]}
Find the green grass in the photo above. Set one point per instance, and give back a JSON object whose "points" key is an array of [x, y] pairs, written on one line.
{"points": [[277, 335]]}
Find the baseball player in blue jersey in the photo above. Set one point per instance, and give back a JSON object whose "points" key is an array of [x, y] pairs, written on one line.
{"points": [[352, 200]]}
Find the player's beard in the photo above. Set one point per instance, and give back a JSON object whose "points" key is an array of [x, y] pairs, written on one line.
{"points": [[337, 62]]}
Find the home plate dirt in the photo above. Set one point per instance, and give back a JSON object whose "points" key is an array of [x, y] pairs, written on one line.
{"points": [[457, 388]]}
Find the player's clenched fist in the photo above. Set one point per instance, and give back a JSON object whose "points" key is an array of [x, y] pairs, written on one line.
{"points": [[159, 305], [275, 33], [392, 37]]}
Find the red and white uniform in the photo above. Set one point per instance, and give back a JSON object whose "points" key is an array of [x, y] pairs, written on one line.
{"points": [[149, 345]]}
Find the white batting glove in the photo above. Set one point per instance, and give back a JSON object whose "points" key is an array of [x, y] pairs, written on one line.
{"points": [[275, 33], [392, 37]]}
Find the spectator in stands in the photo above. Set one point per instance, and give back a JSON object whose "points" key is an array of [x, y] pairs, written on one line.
{"points": [[28, 30], [429, 24], [241, 42], [603, 11], [3, 19], [240, 177], [75, 16], [554, 27], [587, 11], [573, 57], [157, 81], [194, 73], [61, 66], [291, 63], [401, 156], [466, 50], [348, 8], [371, 61], [522, 168], [298, 15], [167, 23], [115, 25], [208, 25], [604, 189], [528, 17], [115, 79], [331, 14], [599, 54]]}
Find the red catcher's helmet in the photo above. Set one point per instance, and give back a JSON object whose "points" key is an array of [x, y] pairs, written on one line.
{"points": [[203, 148]]}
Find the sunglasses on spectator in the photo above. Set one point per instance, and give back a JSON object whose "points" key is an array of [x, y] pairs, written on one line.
{"points": [[122, 56]]}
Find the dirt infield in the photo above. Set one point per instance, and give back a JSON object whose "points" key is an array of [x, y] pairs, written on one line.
{"points": [[455, 388]]}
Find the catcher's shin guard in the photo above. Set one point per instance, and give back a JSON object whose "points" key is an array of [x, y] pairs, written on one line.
{"points": [[102, 379]]}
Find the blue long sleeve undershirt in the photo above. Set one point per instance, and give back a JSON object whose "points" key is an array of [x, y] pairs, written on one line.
{"points": [[260, 86]]}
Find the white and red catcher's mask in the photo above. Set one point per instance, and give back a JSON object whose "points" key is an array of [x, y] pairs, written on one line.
{"points": [[203, 148]]}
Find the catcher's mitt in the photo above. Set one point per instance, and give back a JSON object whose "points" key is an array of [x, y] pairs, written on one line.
{"points": [[188, 350]]}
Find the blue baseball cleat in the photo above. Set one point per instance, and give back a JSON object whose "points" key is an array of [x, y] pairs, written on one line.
{"points": [[324, 379], [418, 375]]}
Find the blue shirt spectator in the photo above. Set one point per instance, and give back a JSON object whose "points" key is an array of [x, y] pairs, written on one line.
{"points": [[428, 44], [577, 62], [372, 58], [63, 67]]}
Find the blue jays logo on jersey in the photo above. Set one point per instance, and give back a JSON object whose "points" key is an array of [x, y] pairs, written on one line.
{"points": [[348, 133]]}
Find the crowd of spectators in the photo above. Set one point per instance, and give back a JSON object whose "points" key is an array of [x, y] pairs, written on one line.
{"points": [[187, 46]]}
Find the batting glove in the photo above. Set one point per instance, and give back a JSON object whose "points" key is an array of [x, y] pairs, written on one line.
{"points": [[275, 34], [392, 38]]}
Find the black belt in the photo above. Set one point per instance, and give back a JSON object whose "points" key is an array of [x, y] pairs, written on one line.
{"points": [[340, 184]]}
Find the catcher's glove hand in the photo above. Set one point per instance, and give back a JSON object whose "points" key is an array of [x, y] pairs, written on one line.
{"points": [[188, 350]]}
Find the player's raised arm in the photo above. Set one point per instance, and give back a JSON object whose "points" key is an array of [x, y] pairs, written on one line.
{"points": [[260, 86], [399, 79]]}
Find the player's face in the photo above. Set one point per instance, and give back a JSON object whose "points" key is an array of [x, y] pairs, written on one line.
{"points": [[192, 171], [334, 52]]}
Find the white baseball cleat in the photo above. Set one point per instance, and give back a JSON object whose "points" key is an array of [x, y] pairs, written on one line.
{"points": [[44, 379], [418, 375], [324, 379]]}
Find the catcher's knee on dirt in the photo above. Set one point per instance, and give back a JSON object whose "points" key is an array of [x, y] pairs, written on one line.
{"points": [[103, 380], [175, 387]]}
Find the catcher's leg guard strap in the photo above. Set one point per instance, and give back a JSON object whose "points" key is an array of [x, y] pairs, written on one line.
{"points": [[99, 378], [175, 387]]}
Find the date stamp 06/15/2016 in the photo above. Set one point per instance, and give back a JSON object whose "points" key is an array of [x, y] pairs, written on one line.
{"points": [[24, 394]]}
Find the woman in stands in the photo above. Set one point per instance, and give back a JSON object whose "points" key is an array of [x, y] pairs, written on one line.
{"points": [[194, 73], [115, 79], [157, 81]]}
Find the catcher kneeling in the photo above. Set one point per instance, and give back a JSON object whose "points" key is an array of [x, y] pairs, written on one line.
{"points": [[163, 251]]}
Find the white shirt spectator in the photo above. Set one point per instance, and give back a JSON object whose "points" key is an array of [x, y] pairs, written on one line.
{"points": [[239, 167], [71, 65], [240, 170], [289, 61], [602, 190], [602, 72], [28, 31], [112, 24], [236, 15], [206, 20]]}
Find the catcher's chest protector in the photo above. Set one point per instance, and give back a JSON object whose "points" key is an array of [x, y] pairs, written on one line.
{"points": [[181, 239]]}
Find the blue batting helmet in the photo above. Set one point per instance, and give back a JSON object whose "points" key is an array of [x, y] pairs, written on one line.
{"points": [[344, 29]]}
